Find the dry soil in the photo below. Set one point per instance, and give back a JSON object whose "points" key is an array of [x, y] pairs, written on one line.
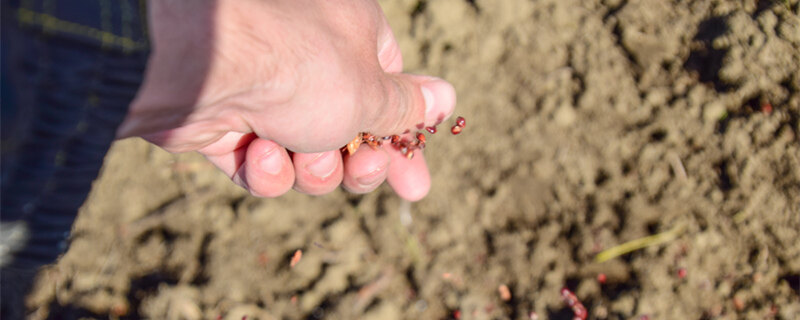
{"points": [[590, 124]]}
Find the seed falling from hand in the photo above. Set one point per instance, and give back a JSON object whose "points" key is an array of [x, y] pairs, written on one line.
{"points": [[461, 122], [296, 258], [404, 145]]}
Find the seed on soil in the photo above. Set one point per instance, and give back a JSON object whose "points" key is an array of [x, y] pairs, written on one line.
{"points": [[120, 309], [455, 130], [432, 130], [505, 293], [738, 304], [766, 107], [601, 278], [682, 273], [578, 310], [296, 258]]}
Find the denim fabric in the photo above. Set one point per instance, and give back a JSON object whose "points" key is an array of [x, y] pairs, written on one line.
{"points": [[69, 71]]}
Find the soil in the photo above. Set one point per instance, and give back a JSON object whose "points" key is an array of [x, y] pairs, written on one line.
{"points": [[589, 124]]}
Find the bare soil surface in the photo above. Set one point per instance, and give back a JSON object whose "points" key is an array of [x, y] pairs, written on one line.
{"points": [[589, 124]]}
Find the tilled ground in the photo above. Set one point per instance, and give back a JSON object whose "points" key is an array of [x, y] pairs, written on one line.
{"points": [[590, 124]]}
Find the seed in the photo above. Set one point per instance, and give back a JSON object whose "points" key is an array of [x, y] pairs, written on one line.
{"points": [[432, 130], [738, 304], [766, 107], [601, 278], [461, 122], [420, 137], [505, 293], [296, 258], [455, 129]]}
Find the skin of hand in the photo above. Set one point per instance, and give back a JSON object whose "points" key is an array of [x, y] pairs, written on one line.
{"points": [[269, 91]]}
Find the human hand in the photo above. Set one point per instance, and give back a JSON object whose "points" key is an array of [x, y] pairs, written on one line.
{"points": [[242, 81]]}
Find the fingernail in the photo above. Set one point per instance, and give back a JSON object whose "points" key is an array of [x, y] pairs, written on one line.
{"points": [[429, 100], [440, 100], [271, 162], [371, 178], [322, 166]]}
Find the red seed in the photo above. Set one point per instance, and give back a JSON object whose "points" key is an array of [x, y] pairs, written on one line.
{"points": [[601, 278], [738, 304], [682, 273], [395, 139], [263, 259], [505, 293], [120, 309], [432, 130], [461, 122], [455, 129], [773, 310], [766, 107], [296, 258], [420, 137], [457, 314], [578, 310]]}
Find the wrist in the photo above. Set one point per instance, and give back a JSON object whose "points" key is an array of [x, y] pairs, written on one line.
{"points": [[180, 38]]}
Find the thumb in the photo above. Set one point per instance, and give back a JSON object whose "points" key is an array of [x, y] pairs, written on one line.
{"points": [[411, 102]]}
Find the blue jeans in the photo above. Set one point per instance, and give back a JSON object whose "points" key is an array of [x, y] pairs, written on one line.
{"points": [[69, 71]]}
